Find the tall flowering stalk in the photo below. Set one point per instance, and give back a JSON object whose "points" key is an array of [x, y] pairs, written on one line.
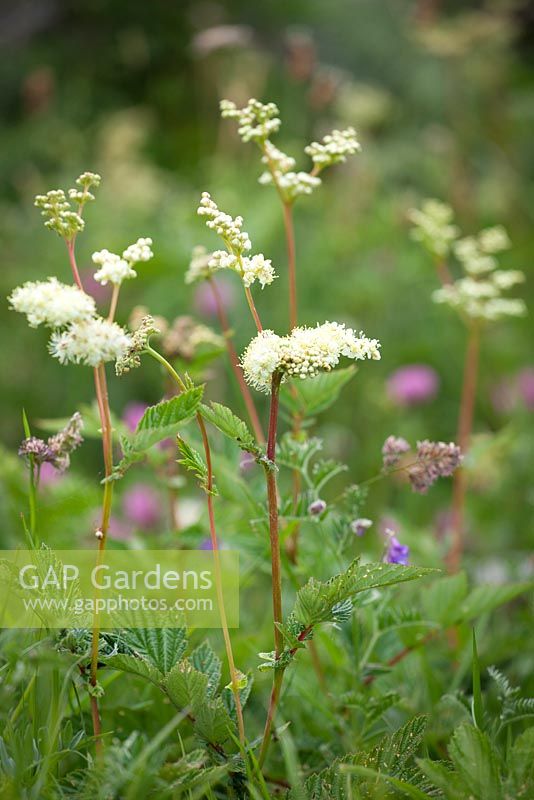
{"points": [[80, 336], [257, 122], [477, 296], [270, 359]]}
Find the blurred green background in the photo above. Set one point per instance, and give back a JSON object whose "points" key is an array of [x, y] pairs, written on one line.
{"points": [[441, 94]]}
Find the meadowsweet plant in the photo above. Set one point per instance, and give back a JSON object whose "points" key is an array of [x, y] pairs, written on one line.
{"points": [[480, 297], [317, 710]]}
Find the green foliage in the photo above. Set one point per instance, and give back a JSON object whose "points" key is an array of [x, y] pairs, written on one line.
{"points": [[159, 422], [193, 462], [230, 425], [306, 398], [319, 601]]}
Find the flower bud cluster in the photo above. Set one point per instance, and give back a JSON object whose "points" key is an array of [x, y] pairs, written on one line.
{"points": [[393, 450], [256, 121], [433, 227], [224, 225], [304, 353], [249, 268], [478, 293], [56, 451], [432, 460], [60, 215], [334, 148], [138, 342]]}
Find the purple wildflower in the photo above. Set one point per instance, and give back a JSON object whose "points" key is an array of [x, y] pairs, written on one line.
{"points": [[434, 460], [393, 449], [413, 384], [142, 506], [57, 449], [396, 552], [317, 507]]}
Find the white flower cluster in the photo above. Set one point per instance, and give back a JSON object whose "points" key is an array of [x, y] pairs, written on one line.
{"points": [[90, 342], [223, 224], [115, 269], [55, 206], [433, 226], [477, 294], [249, 268], [276, 159], [304, 353], [481, 299], [335, 147], [51, 303], [476, 253], [291, 184], [256, 121], [199, 268], [257, 268]]}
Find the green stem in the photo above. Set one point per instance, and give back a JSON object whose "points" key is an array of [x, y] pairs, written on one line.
{"points": [[214, 544], [276, 572]]}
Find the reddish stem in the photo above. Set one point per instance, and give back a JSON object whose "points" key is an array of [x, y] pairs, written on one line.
{"points": [[276, 569], [253, 310]]}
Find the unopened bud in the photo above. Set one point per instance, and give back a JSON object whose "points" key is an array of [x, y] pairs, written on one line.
{"points": [[360, 526], [317, 507]]}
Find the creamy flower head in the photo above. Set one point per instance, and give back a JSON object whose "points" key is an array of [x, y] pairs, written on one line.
{"points": [[335, 147], [291, 184], [304, 353], [91, 342], [51, 303], [224, 225], [115, 269], [256, 121], [433, 226], [199, 268]]}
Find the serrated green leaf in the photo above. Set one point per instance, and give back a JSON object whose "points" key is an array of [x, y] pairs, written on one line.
{"points": [[393, 752], [476, 762], [186, 686], [317, 601], [135, 666], [315, 394], [443, 778], [205, 660], [159, 422], [193, 462], [520, 783], [213, 722], [161, 647], [231, 425]]}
